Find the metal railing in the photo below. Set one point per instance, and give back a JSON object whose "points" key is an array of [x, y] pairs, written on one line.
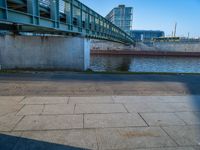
{"points": [[60, 17], [45, 3]]}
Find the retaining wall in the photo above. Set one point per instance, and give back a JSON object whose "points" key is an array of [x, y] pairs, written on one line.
{"points": [[37, 52]]}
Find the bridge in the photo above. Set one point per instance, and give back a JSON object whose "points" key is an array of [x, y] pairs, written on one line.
{"points": [[60, 17], [51, 34]]}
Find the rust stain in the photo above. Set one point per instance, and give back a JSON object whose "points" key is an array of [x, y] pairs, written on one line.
{"points": [[144, 53]]}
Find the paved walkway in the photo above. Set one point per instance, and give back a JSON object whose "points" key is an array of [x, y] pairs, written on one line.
{"points": [[106, 122]]}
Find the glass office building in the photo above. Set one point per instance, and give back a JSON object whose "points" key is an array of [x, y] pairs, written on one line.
{"points": [[122, 17], [146, 35]]}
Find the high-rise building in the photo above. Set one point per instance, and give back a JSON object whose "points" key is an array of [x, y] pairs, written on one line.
{"points": [[122, 17]]}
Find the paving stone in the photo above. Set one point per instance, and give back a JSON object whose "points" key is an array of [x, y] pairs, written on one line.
{"points": [[169, 148], [99, 108], [191, 118], [162, 107], [184, 135], [45, 122], [185, 106], [196, 147], [59, 109], [115, 128], [45, 100], [101, 99], [112, 120], [8, 140], [10, 100], [131, 138], [7, 109], [69, 139], [31, 110], [179, 99], [158, 99], [149, 107], [8, 122], [136, 99], [162, 119], [138, 107]]}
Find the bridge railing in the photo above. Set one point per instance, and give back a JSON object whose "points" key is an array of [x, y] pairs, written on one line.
{"points": [[60, 16]]}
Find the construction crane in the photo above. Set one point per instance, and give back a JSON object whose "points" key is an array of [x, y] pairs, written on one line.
{"points": [[175, 28]]}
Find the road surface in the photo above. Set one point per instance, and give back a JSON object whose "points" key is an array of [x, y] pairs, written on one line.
{"points": [[83, 84]]}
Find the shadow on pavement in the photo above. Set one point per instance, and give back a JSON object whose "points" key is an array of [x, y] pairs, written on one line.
{"points": [[8, 142], [196, 103]]}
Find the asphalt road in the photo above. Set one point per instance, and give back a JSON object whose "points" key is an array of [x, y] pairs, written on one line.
{"points": [[81, 84]]}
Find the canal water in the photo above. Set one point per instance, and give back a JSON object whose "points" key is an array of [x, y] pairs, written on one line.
{"points": [[145, 64]]}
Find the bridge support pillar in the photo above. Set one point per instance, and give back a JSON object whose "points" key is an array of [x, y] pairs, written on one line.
{"points": [[37, 52]]}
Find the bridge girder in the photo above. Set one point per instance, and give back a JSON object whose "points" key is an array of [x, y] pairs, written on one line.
{"points": [[58, 17]]}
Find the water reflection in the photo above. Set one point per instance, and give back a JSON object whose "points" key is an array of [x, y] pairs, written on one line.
{"points": [[146, 64], [110, 63]]}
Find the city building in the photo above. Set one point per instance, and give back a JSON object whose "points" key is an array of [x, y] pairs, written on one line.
{"points": [[146, 35], [122, 17]]}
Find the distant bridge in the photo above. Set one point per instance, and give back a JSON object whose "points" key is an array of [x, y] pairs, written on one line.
{"points": [[59, 17]]}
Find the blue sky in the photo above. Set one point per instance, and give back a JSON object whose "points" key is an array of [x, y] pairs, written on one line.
{"points": [[157, 14]]}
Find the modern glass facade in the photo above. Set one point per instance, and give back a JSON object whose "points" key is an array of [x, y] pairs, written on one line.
{"points": [[122, 17], [146, 35]]}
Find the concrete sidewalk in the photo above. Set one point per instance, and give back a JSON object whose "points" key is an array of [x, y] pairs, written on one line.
{"points": [[105, 122]]}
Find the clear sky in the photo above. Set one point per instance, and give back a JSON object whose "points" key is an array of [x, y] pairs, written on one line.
{"points": [[157, 14]]}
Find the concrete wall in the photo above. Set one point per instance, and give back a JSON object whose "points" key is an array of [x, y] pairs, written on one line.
{"points": [[178, 46], [2, 46], [169, 46], [108, 45], [156, 46], [72, 53]]}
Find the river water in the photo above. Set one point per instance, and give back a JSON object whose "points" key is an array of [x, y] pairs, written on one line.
{"points": [[145, 64]]}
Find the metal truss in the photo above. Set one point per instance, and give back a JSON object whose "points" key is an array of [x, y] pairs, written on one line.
{"points": [[62, 17]]}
